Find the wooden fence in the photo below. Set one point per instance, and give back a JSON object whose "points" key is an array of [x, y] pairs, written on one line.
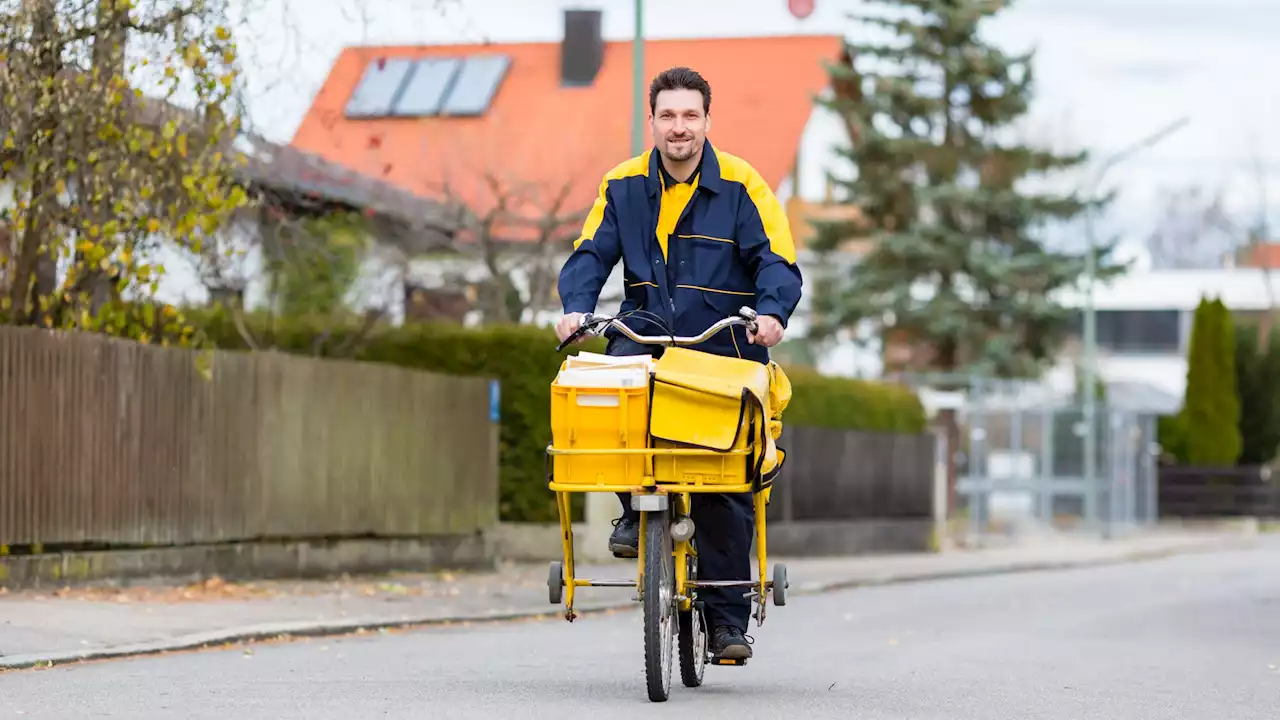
{"points": [[111, 442], [1185, 491], [845, 475]]}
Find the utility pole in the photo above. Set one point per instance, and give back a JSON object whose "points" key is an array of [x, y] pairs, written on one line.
{"points": [[637, 64], [1091, 318]]}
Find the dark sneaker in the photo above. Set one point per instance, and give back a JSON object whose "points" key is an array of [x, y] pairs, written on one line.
{"points": [[730, 643], [625, 540]]}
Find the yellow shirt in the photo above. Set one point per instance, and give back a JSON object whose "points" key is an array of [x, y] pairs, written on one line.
{"points": [[675, 196]]}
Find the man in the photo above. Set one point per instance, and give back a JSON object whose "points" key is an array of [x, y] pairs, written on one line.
{"points": [[700, 234]]}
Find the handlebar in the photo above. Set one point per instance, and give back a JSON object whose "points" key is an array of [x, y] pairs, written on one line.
{"points": [[590, 321]]}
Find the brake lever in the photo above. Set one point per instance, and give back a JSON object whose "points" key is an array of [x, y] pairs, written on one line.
{"points": [[750, 316], [588, 322], [573, 337]]}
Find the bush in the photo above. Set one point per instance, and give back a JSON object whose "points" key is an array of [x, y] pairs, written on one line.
{"points": [[1258, 379], [523, 358], [1211, 411], [822, 401]]}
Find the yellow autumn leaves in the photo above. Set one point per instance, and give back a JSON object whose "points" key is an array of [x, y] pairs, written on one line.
{"points": [[101, 173]]}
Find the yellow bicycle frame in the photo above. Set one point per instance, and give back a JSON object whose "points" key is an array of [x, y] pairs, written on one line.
{"points": [[679, 495]]}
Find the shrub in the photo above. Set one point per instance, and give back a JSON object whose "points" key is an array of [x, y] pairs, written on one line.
{"points": [[1258, 379], [1211, 411]]}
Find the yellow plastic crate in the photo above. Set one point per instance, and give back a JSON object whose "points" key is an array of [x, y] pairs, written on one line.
{"points": [[599, 418]]}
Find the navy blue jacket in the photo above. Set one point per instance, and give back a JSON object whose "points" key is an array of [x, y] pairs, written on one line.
{"points": [[731, 247]]}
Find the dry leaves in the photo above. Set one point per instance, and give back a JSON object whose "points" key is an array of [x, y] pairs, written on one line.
{"points": [[215, 589]]}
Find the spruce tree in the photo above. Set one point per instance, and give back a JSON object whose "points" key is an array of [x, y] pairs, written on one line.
{"points": [[956, 264]]}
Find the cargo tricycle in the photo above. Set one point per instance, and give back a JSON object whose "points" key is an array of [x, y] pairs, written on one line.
{"points": [[661, 430]]}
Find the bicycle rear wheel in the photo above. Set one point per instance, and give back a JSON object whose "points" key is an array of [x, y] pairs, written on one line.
{"points": [[693, 636], [659, 605]]}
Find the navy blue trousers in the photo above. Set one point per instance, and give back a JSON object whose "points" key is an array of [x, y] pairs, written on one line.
{"points": [[725, 527]]}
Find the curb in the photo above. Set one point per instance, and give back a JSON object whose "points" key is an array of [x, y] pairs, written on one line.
{"points": [[280, 631], [1129, 558], [290, 630]]}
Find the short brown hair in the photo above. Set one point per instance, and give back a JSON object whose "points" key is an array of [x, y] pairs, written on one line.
{"points": [[679, 78]]}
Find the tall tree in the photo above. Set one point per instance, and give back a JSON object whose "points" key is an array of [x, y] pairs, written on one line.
{"points": [[1210, 415], [1194, 231], [103, 168], [1258, 380], [956, 267]]}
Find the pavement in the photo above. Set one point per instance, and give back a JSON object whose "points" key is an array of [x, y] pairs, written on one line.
{"points": [[41, 629], [1186, 637]]}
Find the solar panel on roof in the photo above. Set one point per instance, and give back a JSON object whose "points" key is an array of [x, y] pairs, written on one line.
{"points": [[378, 88], [425, 92], [476, 85]]}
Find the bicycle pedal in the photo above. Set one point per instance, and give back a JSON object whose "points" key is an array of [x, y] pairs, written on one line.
{"points": [[728, 661]]}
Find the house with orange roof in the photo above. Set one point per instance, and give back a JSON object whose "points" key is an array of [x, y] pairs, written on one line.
{"points": [[1264, 255], [516, 136]]}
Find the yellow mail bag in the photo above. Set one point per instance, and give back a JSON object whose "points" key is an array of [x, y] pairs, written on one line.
{"points": [[724, 404]]}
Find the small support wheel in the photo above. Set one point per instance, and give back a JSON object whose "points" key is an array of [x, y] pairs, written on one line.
{"points": [[555, 582], [779, 584]]}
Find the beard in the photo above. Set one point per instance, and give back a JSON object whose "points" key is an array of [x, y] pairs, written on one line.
{"points": [[683, 153]]}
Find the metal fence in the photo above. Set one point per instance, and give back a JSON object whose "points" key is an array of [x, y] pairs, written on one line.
{"points": [[1022, 462], [1196, 492], [833, 474], [112, 442]]}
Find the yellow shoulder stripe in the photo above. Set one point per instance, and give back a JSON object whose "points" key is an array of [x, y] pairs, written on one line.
{"points": [[772, 214], [638, 165]]}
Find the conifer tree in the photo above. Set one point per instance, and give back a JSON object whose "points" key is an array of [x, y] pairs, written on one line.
{"points": [[1211, 409], [956, 263]]}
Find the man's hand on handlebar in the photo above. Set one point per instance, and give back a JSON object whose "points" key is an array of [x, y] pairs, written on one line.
{"points": [[768, 332], [568, 325]]}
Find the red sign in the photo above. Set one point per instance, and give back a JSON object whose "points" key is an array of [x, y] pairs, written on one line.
{"points": [[800, 8]]}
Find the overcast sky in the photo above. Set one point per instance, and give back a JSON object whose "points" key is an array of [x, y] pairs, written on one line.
{"points": [[1109, 71]]}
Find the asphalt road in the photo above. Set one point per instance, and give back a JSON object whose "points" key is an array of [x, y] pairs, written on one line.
{"points": [[1195, 636]]}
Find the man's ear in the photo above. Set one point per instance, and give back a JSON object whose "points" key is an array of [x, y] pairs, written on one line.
{"points": [[708, 122]]}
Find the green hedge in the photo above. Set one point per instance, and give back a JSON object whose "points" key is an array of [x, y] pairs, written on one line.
{"points": [[523, 358], [821, 401]]}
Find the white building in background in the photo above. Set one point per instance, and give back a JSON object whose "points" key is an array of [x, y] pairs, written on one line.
{"points": [[1144, 323]]}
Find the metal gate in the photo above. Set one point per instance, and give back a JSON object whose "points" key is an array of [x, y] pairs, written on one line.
{"points": [[1023, 463]]}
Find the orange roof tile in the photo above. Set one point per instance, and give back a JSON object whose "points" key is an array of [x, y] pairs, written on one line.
{"points": [[1265, 256], [540, 139]]}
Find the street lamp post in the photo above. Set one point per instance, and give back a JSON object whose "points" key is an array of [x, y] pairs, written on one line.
{"points": [[637, 64], [1091, 317]]}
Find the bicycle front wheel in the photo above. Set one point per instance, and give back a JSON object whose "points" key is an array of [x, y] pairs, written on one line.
{"points": [[659, 605]]}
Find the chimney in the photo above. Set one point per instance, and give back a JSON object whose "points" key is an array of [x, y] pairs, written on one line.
{"points": [[582, 49]]}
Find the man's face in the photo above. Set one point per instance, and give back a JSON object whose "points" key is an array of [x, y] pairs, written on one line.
{"points": [[679, 124]]}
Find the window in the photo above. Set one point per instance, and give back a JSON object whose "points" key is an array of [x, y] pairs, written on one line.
{"points": [[424, 94], [402, 87], [379, 88], [1136, 331], [477, 84]]}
